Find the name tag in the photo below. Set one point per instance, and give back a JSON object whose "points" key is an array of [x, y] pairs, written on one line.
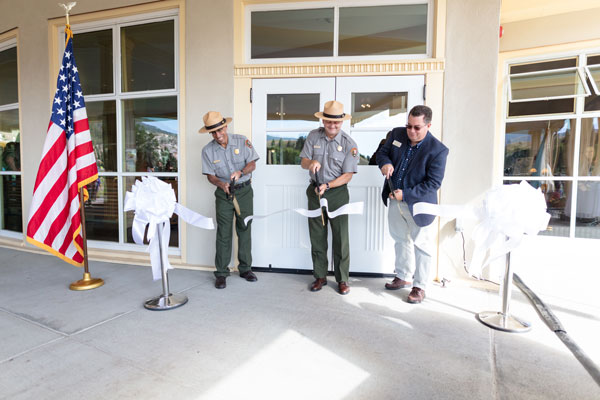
{"points": [[316, 146], [396, 143], [216, 161]]}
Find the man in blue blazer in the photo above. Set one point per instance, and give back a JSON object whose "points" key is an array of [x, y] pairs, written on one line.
{"points": [[413, 162]]}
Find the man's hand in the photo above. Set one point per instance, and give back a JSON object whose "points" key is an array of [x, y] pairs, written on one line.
{"points": [[225, 187], [396, 194], [387, 170], [236, 175], [321, 189], [314, 166]]}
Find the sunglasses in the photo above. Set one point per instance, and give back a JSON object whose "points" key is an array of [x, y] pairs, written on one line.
{"points": [[415, 127]]}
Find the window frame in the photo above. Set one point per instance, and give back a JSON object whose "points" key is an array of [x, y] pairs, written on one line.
{"points": [[578, 72], [577, 115], [9, 42], [336, 5], [119, 97]]}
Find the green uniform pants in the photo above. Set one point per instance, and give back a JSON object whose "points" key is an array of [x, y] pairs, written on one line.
{"points": [[336, 198], [225, 215]]}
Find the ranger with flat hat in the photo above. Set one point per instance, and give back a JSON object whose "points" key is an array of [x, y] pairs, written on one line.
{"points": [[228, 161], [331, 157]]}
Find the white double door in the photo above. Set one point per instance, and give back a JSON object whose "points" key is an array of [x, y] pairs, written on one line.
{"points": [[282, 116]]}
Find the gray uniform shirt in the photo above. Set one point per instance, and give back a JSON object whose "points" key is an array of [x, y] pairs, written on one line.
{"points": [[222, 162], [336, 156]]}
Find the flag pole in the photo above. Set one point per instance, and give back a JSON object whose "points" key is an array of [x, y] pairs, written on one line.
{"points": [[87, 282]]}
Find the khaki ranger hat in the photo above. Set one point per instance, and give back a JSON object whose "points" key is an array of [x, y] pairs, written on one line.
{"points": [[333, 111], [213, 120]]}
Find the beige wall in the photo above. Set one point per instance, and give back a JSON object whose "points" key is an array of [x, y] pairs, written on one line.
{"points": [[469, 113], [551, 30], [209, 72]]}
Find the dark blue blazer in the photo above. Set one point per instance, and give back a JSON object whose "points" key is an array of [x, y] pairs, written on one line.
{"points": [[424, 174]]}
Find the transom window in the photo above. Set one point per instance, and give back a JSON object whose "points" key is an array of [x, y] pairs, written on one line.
{"points": [[552, 138], [11, 215], [128, 70], [332, 30]]}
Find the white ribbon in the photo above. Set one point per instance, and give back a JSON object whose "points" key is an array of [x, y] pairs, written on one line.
{"points": [[350, 208], [507, 214], [154, 203]]}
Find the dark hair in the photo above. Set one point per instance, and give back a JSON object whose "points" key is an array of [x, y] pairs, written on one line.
{"points": [[425, 111]]}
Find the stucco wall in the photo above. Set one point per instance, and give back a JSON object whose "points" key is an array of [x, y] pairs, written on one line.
{"points": [[469, 113], [551, 30], [209, 71]]}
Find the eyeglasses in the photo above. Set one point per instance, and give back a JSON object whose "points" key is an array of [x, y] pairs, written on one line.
{"points": [[415, 127], [217, 131]]}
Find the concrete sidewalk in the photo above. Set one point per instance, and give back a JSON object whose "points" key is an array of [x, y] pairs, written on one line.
{"points": [[272, 339]]}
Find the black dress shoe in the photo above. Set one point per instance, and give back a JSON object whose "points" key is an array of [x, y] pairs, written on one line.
{"points": [[318, 284], [221, 283], [249, 276]]}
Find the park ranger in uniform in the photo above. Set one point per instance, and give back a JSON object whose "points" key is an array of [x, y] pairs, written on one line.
{"points": [[331, 157], [227, 159]]}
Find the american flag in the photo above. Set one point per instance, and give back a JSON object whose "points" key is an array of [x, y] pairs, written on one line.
{"points": [[68, 164]]}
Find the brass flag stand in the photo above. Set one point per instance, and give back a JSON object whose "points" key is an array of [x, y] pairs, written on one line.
{"points": [[87, 282]]}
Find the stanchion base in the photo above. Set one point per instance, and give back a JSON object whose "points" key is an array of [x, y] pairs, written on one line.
{"points": [[169, 302], [86, 283], [501, 322]]}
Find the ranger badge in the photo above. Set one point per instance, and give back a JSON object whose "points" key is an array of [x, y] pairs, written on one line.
{"points": [[354, 152]]}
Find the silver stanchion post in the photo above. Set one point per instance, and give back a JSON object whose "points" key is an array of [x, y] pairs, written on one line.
{"points": [[166, 301], [503, 321]]}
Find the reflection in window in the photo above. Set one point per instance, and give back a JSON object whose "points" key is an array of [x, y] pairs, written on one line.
{"points": [[151, 129], [292, 33], [102, 210], [285, 147], [589, 149], [385, 110], [129, 181], [383, 30], [587, 221], [289, 119], [592, 102], [546, 85], [94, 52], [148, 56], [10, 151], [539, 148], [373, 115], [103, 128], [8, 76], [12, 218]]}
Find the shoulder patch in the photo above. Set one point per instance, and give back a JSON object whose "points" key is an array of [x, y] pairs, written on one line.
{"points": [[248, 144], [354, 152]]}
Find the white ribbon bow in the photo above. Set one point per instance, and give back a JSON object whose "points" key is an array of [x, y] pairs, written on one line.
{"points": [[507, 214], [154, 203]]}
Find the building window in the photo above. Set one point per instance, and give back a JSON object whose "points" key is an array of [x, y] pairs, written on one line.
{"points": [[128, 71], [11, 214], [333, 31], [552, 140]]}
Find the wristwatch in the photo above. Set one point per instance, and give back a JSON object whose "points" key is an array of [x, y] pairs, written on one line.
{"points": [[327, 186]]}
